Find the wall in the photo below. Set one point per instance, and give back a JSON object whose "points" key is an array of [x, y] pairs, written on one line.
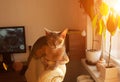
{"points": [[97, 37], [37, 14]]}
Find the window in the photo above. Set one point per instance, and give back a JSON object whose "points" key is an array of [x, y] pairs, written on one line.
{"points": [[115, 45]]}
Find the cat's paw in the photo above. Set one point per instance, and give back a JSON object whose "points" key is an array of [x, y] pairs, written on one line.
{"points": [[51, 67]]}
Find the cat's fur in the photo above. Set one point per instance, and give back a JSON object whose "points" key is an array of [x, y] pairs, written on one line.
{"points": [[51, 49]]}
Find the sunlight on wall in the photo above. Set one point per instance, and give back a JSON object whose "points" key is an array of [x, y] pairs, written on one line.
{"points": [[38, 14]]}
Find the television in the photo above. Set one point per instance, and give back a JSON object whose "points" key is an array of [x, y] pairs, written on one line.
{"points": [[12, 39]]}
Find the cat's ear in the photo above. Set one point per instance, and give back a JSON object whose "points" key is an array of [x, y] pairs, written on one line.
{"points": [[63, 33], [47, 31]]}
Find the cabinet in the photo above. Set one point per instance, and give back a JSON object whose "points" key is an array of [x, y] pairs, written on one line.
{"points": [[76, 44], [12, 76]]}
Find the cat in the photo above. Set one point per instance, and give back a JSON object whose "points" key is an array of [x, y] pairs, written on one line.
{"points": [[50, 49]]}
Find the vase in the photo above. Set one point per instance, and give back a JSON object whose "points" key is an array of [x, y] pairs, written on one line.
{"points": [[93, 56], [109, 74]]}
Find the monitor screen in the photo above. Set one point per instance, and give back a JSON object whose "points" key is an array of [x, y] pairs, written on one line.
{"points": [[12, 39]]}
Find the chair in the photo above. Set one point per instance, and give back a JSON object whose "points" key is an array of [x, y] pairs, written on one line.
{"points": [[36, 72]]}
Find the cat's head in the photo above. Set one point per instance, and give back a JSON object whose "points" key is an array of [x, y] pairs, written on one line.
{"points": [[55, 39]]}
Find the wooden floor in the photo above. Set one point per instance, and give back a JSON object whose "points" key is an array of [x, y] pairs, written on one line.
{"points": [[74, 69]]}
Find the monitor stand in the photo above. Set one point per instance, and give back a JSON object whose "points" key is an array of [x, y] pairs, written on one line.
{"points": [[6, 59]]}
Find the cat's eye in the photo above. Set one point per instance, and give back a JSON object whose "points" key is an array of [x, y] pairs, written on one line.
{"points": [[55, 41], [59, 41]]}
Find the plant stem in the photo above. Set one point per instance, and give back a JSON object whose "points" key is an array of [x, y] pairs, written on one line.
{"points": [[109, 50], [92, 38], [102, 46]]}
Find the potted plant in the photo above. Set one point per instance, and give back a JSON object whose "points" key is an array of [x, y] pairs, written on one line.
{"points": [[105, 19], [112, 24], [110, 71], [98, 11], [92, 8]]}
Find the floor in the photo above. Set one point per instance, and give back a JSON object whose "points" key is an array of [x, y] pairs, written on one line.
{"points": [[74, 69]]}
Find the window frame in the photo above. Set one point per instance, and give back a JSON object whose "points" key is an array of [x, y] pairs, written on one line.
{"points": [[113, 59]]}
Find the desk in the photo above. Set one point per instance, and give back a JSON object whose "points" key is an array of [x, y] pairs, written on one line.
{"points": [[11, 76]]}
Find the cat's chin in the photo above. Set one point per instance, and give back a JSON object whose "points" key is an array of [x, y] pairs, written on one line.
{"points": [[52, 47], [56, 47]]}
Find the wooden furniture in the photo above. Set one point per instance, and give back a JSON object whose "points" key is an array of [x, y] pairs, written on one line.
{"points": [[11, 76], [75, 44], [13, 73]]}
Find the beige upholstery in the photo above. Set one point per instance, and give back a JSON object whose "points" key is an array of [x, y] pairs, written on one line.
{"points": [[36, 72]]}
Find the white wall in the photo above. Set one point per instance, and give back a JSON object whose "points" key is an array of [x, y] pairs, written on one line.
{"points": [[89, 33], [37, 14]]}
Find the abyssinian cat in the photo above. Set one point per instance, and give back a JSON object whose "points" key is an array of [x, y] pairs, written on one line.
{"points": [[51, 49]]}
